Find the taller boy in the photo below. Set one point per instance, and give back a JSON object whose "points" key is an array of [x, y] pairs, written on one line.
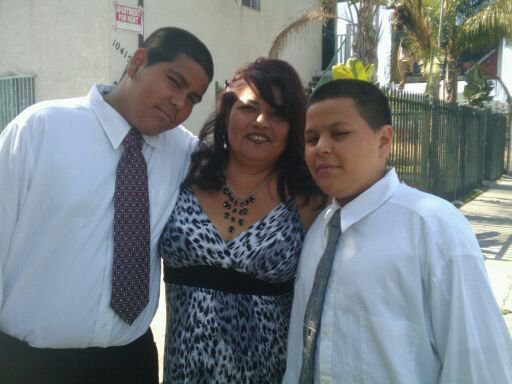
{"points": [[407, 298], [76, 300]]}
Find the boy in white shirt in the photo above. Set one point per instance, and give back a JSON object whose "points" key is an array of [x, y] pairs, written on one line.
{"points": [[407, 298], [86, 187]]}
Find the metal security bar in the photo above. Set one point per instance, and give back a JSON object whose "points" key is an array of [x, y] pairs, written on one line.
{"points": [[508, 155], [344, 46], [16, 94], [445, 149], [496, 144], [411, 120]]}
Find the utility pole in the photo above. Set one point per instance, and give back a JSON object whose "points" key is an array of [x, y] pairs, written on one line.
{"points": [[441, 17], [141, 35]]}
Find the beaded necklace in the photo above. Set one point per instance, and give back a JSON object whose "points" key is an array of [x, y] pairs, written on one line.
{"points": [[237, 206]]}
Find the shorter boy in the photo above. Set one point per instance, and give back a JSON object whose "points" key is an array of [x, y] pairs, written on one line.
{"points": [[407, 299]]}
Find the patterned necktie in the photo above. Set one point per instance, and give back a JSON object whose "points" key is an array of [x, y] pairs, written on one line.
{"points": [[313, 314], [130, 271]]}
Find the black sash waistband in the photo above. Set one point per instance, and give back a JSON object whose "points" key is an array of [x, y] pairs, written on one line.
{"points": [[224, 280]]}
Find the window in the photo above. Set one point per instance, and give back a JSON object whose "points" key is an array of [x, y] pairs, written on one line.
{"points": [[16, 93], [254, 4]]}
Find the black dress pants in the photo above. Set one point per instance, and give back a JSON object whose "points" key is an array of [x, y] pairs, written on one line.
{"points": [[135, 363]]}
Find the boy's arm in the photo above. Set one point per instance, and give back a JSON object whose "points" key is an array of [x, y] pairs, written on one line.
{"points": [[470, 334]]}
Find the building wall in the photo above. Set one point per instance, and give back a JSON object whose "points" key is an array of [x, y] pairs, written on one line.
{"points": [[59, 41], [71, 44], [504, 64]]}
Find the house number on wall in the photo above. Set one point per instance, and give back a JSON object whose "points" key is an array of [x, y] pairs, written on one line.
{"points": [[122, 51]]}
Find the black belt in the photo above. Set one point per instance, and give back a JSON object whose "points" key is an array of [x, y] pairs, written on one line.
{"points": [[7, 341], [224, 280]]}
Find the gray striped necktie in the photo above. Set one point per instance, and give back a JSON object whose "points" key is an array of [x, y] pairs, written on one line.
{"points": [[313, 314]]}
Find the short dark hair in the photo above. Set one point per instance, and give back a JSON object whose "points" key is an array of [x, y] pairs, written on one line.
{"points": [[165, 44], [209, 162], [372, 104]]}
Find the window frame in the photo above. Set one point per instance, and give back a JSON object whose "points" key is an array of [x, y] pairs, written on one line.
{"points": [[252, 4]]}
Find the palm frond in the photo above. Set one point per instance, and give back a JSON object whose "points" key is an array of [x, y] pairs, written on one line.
{"points": [[486, 27], [420, 40], [410, 13], [296, 27]]}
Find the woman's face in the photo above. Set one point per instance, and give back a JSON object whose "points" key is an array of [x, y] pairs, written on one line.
{"points": [[257, 133]]}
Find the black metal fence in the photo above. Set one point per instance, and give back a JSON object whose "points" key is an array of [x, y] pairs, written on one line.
{"points": [[445, 149]]}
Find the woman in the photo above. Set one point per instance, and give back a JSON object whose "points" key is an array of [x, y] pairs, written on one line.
{"points": [[231, 245]]}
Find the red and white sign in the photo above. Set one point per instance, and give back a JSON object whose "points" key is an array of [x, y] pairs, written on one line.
{"points": [[128, 18]]}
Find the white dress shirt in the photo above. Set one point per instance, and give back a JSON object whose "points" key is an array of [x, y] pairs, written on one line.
{"points": [[408, 300], [58, 163]]}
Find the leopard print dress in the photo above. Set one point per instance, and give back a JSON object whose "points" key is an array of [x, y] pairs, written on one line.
{"points": [[218, 337]]}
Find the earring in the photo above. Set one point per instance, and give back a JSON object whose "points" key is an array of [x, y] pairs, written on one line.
{"points": [[224, 136]]}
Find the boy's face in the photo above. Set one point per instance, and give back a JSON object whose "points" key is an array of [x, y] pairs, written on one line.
{"points": [[344, 154], [162, 95]]}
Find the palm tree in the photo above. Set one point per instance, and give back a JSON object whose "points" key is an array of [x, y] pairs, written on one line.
{"points": [[366, 34], [318, 14], [487, 23], [485, 28], [414, 24]]}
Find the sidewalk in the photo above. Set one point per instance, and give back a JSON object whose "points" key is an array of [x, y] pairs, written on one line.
{"points": [[490, 215]]}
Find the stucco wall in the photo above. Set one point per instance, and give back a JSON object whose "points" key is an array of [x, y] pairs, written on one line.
{"points": [[59, 41], [70, 44]]}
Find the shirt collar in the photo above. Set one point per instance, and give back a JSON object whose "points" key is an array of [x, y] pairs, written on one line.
{"points": [[114, 125], [366, 202]]}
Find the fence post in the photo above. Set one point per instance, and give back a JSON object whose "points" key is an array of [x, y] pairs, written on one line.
{"points": [[508, 133], [432, 161], [462, 152], [485, 160]]}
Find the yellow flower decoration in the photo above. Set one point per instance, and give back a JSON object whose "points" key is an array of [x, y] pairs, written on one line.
{"points": [[353, 69]]}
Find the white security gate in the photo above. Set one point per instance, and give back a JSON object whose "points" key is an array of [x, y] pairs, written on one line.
{"points": [[16, 94]]}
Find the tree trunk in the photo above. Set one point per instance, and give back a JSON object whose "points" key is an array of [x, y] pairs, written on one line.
{"points": [[366, 39], [451, 79], [434, 78], [395, 44]]}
